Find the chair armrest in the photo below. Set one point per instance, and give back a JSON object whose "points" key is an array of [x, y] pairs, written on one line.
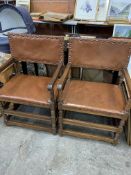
{"points": [[6, 64], [64, 77], [7, 74], [127, 80], [55, 77]]}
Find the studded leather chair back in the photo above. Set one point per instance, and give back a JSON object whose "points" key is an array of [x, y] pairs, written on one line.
{"points": [[99, 54], [38, 49]]}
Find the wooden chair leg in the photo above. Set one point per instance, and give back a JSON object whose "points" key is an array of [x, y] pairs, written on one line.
{"points": [[117, 135], [53, 118], [60, 120], [1, 109], [7, 117]]}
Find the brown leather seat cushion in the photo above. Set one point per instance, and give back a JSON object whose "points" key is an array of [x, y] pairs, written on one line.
{"points": [[91, 96], [26, 88]]}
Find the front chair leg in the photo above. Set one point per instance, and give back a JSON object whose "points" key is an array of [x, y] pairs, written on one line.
{"points": [[53, 118], [117, 135], [60, 119]]}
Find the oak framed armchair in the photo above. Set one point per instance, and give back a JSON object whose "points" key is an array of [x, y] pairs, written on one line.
{"points": [[30, 90], [110, 101]]}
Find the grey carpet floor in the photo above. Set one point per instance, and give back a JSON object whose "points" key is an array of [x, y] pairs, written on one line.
{"points": [[28, 152]]}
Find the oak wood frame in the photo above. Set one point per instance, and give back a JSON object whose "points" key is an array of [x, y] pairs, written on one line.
{"points": [[116, 130], [52, 103]]}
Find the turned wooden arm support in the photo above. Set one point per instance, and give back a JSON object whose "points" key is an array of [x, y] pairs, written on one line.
{"points": [[64, 77], [55, 77], [127, 80], [6, 64]]}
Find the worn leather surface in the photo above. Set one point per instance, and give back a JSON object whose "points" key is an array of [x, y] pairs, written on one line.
{"points": [[96, 97], [36, 48], [99, 54], [26, 88]]}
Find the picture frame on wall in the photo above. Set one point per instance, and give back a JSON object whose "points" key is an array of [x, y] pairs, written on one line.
{"points": [[102, 12], [23, 3], [122, 31], [86, 10], [119, 10]]}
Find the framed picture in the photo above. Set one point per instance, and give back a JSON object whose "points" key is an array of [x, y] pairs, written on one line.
{"points": [[102, 10], [119, 9], [23, 3], [122, 30], [86, 9]]}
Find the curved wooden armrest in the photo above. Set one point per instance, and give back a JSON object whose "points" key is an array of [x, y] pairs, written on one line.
{"points": [[55, 77], [6, 64], [64, 77], [127, 80]]}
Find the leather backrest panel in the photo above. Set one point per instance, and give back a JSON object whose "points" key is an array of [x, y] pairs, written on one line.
{"points": [[99, 53], [36, 48]]}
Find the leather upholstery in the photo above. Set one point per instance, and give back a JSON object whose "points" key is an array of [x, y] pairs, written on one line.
{"points": [[26, 89], [35, 48], [91, 96], [99, 54]]}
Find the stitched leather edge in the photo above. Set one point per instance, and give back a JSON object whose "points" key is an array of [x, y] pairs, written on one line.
{"points": [[39, 37], [102, 41]]}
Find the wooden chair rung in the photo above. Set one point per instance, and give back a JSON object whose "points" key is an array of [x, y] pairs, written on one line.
{"points": [[87, 111], [28, 115], [31, 126], [92, 125], [87, 136]]}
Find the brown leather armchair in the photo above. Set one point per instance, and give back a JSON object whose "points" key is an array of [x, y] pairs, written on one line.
{"points": [[110, 101], [29, 90]]}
